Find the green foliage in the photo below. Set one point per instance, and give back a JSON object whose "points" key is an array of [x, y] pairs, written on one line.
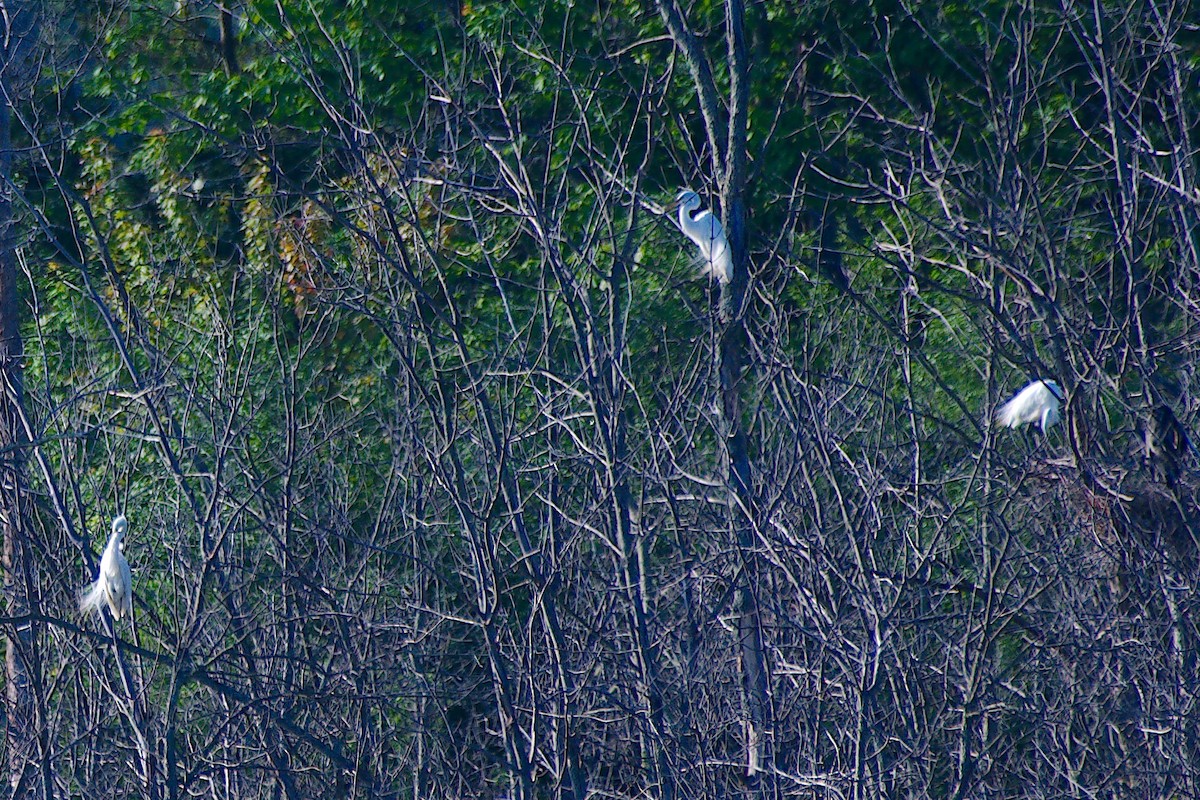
{"points": [[359, 321]]}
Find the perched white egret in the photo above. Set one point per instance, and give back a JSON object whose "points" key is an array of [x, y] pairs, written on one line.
{"points": [[113, 585], [1038, 402], [703, 228]]}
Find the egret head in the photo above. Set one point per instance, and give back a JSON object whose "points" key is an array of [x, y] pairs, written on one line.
{"points": [[119, 526], [1055, 389], [687, 201]]}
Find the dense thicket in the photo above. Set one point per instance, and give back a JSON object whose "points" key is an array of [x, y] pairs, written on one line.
{"points": [[447, 476]]}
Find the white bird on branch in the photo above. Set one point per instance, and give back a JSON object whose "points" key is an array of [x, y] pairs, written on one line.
{"points": [[113, 585], [1038, 402], [703, 228]]}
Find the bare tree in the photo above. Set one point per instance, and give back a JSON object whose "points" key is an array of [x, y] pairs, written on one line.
{"points": [[448, 477]]}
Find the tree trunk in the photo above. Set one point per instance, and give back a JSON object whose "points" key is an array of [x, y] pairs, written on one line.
{"points": [[729, 165], [731, 355], [21, 717]]}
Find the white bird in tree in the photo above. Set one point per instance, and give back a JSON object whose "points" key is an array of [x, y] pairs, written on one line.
{"points": [[113, 585], [1038, 402], [703, 228]]}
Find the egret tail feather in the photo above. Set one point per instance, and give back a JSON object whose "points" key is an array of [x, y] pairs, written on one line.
{"points": [[91, 598]]}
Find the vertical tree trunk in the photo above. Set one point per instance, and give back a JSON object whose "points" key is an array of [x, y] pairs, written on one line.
{"points": [[229, 40], [728, 145], [20, 713], [739, 478], [738, 483]]}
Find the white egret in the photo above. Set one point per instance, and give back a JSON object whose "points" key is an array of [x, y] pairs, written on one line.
{"points": [[703, 228], [1038, 402], [113, 585]]}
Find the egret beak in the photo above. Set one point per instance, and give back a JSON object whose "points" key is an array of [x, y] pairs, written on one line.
{"points": [[671, 206]]}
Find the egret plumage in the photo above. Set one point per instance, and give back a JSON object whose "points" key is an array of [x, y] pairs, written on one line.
{"points": [[113, 585], [704, 229], [1038, 402]]}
